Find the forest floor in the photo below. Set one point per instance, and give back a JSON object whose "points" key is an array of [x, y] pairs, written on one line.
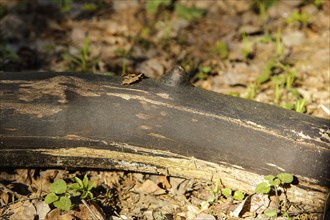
{"points": [[274, 51]]}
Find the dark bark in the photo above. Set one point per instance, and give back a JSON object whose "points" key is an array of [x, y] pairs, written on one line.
{"points": [[82, 120]]}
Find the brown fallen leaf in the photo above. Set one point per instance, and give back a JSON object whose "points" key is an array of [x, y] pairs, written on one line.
{"points": [[148, 187], [23, 210], [89, 212], [132, 78], [163, 180], [55, 214]]}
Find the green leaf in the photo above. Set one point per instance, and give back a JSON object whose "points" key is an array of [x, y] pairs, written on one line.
{"points": [[91, 186], [238, 195], [285, 177], [153, 5], [270, 213], [205, 69], [221, 49], [275, 182], [226, 192], [262, 188], [64, 203], [85, 181], [188, 13], [269, 177], [266, 73], [58, 187], [75, 186], [84, 195], [80, 182], [90, 195], [50, 198], [89, 7]]}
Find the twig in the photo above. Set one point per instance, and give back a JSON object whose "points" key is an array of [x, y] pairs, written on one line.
{"points": [[94, 216]]}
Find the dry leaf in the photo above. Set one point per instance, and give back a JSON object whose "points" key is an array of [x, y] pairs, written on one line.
{"points": [[259, 203], [23, 210], [56, 215], [42, 209], [132, 78], [148, 187], [89, 213], [238, 209], [164, 181]]}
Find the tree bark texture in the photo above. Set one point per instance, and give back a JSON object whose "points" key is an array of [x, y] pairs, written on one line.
{"points": [[169, 127]]}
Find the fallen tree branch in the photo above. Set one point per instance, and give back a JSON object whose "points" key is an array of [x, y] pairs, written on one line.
{"points": [[168, 127]]}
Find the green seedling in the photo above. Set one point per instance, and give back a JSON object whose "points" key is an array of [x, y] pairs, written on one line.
{"points": [[89, 7], [300, 105], [61, 193], [82, 61], [298, 17], [153, 6], [246, 48], [214, 196], [278, 83], [203, 72], [262, 6], [221, 49], [279, 45], [275, 183], [227, 192], [317, 3], [188, 13], [83, 187], [59, 196], [251, 91], [65, 5], [266, 73]]}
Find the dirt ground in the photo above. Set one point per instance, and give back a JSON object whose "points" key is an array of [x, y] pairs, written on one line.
{"points": [[271, 51]]}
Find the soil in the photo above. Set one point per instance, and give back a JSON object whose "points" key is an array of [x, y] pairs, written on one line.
{"points": [[275, 52]]}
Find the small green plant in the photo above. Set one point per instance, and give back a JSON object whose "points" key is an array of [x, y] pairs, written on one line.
{"points": [[279, 45], [246, 49], [82, 62], [221, 49], [83, 187], [58, 195], [317, 3], [300, 105], [251, 91], [203, 72], [188, 13], [238, 195], [298, 17], [65, 5], [61, 193], [266, 73], [275, 183], [214, 196], [89, 7], [216, 192], [152, 6], [262, 6]]}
